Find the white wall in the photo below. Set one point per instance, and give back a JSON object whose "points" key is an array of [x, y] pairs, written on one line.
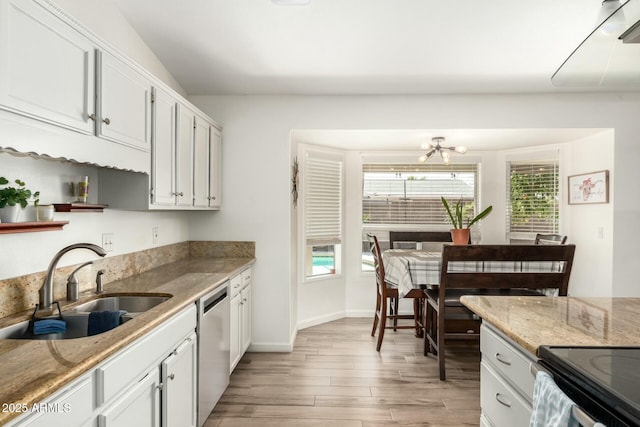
{"points": [[257, 159], [26, 253], [592, 273]]}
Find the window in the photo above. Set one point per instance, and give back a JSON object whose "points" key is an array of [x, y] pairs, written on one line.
{"points": [[407, 196], [533, 202], [322, 212]]}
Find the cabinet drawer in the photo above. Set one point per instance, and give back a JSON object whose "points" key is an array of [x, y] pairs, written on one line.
{"points": [[72, 406], [235, 285], [507, 360], [500, 403], [133, 362], [246, 277]]}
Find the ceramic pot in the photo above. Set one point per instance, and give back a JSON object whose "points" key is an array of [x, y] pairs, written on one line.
{"points": [[10, 213], [460, 236]]}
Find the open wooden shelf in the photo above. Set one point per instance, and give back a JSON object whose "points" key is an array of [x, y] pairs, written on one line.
{"points": [[78, 207], [30, 227]]}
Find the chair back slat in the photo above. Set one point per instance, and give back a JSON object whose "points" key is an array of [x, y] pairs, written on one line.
{"points": [[418, 237]]}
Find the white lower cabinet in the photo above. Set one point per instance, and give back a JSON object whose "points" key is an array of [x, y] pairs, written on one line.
{"points": [[506, 382], [240, 337], [179, 389], [139, 406], [127, 389]]}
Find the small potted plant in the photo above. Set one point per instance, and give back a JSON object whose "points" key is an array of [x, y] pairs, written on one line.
{"points": [[14, 199], [460, 231]]}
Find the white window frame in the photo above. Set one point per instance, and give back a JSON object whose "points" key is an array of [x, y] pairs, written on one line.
{"points": [[533, 156], [305, 150]]}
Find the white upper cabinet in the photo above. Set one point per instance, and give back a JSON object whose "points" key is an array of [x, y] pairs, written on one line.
{"points": [[201, 163], [184, 156], [163, 154], [215, 168], [47, 68], [124, 103]]}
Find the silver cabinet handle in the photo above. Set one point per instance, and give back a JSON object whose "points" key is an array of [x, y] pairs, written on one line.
{"points": [[160, 386], [92, 117], [106, 121], [502, 401], [501, 359], [244, 299], [172, 376], [179, 194]]}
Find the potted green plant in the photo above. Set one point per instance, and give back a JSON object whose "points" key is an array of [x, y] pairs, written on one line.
{"points": [[14, 199], [460, 231]]}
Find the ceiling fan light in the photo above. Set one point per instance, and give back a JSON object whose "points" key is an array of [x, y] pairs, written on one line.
{"points": [[422, 158], [461, 149], [445, 154], [426, 146]]}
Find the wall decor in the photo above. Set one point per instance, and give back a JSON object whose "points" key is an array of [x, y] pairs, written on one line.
{"points": [[588, 188], [294, 181]]}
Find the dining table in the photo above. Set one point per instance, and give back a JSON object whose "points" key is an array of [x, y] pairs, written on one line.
{"points": [[409, 269]]}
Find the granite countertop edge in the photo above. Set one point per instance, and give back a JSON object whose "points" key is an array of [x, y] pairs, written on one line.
{"points": [[59, 362]]}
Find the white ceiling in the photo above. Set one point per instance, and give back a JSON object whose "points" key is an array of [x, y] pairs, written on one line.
{"points": [[362, 46]]}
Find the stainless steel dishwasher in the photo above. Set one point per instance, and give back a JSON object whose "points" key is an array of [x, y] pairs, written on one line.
{"points": [[213, 349]]}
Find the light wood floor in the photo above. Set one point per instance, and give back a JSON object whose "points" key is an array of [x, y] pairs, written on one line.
{"points": [[335, 377]]}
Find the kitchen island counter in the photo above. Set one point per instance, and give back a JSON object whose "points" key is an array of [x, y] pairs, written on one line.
{"points": [[31, 370], [567, 321]]}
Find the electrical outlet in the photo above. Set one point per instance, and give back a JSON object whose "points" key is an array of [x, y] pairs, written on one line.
{"points": [[107, 241], [156, 232]]}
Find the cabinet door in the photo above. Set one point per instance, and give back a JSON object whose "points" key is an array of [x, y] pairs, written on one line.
{"points": [[139, 406], [124, 103], [246, 318], [179, 395], [47, 69], [215, 170], [184, 156], [234, 338], [201, 163], [163, 156]]}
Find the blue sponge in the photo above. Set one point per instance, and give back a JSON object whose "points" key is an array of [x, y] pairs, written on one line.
{"points": [[49, 326]]}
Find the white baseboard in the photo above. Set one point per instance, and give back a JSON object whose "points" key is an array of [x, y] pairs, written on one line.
{"points": [[360, 313], [321, 319], [274, 347]]}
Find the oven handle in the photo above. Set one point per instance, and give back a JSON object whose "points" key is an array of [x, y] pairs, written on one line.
{"points": [[578, 414]]}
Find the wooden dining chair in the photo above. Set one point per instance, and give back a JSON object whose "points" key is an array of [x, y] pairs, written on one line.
{"points": [[550, 239], [447, 320], [385, 295]]}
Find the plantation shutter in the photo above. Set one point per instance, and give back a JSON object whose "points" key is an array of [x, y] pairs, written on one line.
{"points": [[323, 199], [403, 194], [532, 189]]}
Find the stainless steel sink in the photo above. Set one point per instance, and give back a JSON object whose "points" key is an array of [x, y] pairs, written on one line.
{"points": [[77, 318], [77, 325], [128, 303]]}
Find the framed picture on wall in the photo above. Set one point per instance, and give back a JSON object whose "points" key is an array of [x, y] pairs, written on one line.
{"points": [[588, 188]]}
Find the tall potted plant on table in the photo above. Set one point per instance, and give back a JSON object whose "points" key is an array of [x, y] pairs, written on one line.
{"points": [[460, 231], [14, 199]]}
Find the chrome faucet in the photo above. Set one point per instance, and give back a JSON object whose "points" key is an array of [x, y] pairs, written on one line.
{"points": [[46, 291]]}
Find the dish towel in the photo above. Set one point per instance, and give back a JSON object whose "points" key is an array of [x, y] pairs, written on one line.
{"points": [[551, 407], [49, 326], [103, 321]]}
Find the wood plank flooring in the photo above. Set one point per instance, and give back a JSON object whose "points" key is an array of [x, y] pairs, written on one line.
{"points": [[335, 377]]}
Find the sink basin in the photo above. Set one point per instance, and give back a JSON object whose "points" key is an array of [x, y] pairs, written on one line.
{"points": [[76, 328], [128, 303], [77, 318]]}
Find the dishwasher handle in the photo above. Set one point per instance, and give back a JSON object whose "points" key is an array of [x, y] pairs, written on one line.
{"points": [[210, 302]]}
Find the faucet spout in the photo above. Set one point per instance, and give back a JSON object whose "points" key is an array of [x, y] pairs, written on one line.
{"points": [[46, 291]]}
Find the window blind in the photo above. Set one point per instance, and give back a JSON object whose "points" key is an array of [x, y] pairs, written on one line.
{"points": [[405, 194], [532, 189], [323, 200]]}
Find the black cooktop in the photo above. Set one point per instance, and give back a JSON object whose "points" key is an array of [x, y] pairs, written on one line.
{"points": [[610, 375]]}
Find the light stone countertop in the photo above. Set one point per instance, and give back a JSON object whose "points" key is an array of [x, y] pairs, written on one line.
{"points": [[30, 370], [567, 321]]}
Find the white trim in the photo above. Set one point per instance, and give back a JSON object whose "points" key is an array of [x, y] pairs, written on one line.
{"points": [[321, 319]]}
